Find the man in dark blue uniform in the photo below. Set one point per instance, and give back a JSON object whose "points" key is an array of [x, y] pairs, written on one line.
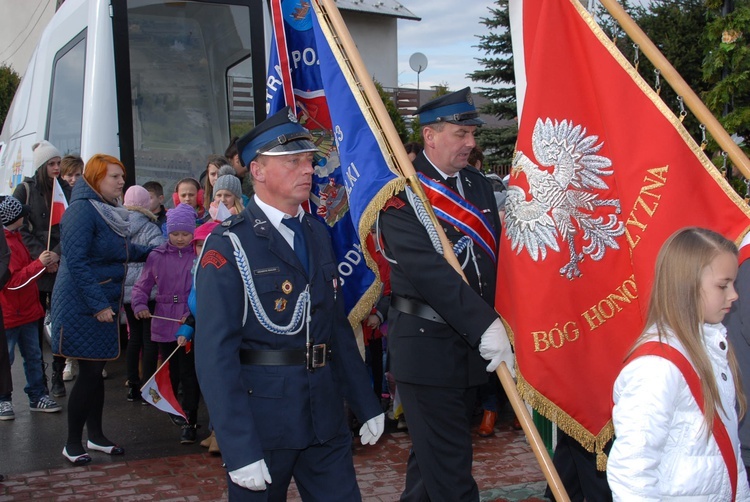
{"points": [[275, 353], [443, 330]]}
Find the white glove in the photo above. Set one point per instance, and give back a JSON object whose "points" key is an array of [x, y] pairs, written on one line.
{"points": [[494, 347], [253, 477], [372, 430]]}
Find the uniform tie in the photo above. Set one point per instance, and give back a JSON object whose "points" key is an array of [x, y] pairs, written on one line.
{"points": [[452, 183], [300, 247]]}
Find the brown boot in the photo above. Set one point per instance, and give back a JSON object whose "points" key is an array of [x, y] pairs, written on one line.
{"points": [[487, 427], [213, 448], [207, 442]]}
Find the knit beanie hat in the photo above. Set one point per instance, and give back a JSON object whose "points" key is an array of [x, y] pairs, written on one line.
{"points": [[137, 196], [228, 181], [43, 152], [181, 219], [11, 210]]}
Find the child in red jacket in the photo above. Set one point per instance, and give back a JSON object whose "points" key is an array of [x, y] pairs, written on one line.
{"points": [[22, 310]]}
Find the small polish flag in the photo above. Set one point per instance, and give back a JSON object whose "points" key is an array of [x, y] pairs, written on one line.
{"points": [[158, 392], [222, 213], [59, 203]]}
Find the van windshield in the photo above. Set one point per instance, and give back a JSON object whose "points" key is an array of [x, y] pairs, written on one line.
{"points": [[191, 82]]}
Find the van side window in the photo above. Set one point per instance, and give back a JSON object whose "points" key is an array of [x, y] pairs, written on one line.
{"points": [[66, 96]]}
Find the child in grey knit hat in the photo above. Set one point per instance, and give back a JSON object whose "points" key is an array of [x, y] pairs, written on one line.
{"points": [[227, 191]]}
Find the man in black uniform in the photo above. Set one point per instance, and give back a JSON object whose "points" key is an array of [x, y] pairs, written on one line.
{"points": [[442, 330], [274, 351]]}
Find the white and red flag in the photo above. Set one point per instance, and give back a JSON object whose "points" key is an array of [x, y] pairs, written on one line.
{"points": [[604, 173], [158, 392], [59, 203]]}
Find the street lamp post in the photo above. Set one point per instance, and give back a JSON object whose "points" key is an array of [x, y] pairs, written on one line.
{"points": [[418, 63]]}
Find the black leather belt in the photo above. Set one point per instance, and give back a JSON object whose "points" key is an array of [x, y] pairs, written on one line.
{"points": [[273, 357], [415, 307], [316, 356]]}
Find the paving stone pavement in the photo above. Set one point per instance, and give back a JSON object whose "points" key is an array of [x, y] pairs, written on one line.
{"points": [[157, 467], [504, 467]]}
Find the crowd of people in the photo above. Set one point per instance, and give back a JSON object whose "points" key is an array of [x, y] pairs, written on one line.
{"points": [[278, 365]]}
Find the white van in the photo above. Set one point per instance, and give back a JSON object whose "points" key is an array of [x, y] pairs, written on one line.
{"points": [[159, 84]]}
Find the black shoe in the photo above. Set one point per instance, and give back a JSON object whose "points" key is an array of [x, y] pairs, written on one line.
{"points": [[188, 434], [58, 386], [177, 420], [134, 394], [109, 450]]}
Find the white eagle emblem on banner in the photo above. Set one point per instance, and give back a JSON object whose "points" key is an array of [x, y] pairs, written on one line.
{"points": [[563, 197]]}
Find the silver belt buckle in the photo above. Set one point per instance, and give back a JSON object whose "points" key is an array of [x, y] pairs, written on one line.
{"points": [[317, 356]]}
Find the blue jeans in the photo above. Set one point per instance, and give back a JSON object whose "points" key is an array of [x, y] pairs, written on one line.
{"points": [[26, 337]]}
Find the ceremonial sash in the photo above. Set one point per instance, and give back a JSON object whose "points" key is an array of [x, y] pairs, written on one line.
{"points": [[744, 253], [462, 214], [694, 383]]}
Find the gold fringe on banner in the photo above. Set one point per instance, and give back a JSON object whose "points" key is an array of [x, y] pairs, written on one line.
{"points": [[548, 409], [364, 305]]}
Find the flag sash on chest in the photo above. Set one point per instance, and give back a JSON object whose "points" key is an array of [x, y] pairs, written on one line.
{"points": [[462, 214]]}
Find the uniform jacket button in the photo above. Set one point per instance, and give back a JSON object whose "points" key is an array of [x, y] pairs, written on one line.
{"points": [[250, 391]]}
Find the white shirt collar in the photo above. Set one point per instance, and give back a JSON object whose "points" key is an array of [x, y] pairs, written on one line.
{"points": [[275, 216], [445, 176]]}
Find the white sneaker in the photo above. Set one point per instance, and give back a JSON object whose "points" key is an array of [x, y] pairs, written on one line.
{"points": [[69, 373]]}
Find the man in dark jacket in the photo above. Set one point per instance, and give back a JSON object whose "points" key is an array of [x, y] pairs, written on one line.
{"points": [[274, 351], [38, 236], [443, 330]]}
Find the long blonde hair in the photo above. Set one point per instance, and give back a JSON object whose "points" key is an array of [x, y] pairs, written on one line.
{"points": [[676, 306]]}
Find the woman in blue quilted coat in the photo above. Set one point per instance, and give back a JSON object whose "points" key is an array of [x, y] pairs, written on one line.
{"points": [[96, 247]]}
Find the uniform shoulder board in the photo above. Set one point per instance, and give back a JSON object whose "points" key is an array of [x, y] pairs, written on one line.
{"points": [[232, 221], [394, 202]]}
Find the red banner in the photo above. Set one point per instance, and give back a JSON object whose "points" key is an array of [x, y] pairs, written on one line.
{"points": [[604, 173]]}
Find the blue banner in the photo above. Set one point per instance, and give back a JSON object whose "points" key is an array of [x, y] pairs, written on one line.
{"points": [[340, 197]]}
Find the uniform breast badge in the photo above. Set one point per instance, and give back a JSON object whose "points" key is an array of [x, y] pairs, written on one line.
{"points": [[279, 305], [286, 287]]}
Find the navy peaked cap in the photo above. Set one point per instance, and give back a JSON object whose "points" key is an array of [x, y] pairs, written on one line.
{"points": [[279, 134], [454, 108]]}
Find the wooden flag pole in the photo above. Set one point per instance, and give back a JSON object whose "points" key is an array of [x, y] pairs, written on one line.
{"points": [[327, 11], [165, 318], [51, 213], [160, 367], [702, 113], [532, 434]]}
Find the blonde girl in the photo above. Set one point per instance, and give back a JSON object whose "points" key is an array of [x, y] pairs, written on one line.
{"points": [[665, 447], [227, 191]]}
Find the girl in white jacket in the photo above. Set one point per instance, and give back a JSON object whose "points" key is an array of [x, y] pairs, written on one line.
{"points": [[665, 447]]}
